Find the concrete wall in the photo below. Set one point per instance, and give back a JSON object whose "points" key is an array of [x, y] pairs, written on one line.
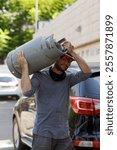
{"points": [[80, 24]]}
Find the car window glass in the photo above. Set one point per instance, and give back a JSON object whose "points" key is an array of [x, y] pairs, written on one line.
{"points": [[6, 79], [89, 88], [92, 87]]}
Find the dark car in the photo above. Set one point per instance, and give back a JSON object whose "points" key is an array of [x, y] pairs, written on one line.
{"points": [[84, 116]]}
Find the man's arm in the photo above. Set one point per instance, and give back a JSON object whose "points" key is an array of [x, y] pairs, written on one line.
{"points": [[80, 61], [23, 66]]}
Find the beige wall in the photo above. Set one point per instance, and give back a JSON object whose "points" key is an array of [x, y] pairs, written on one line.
{"points": [[80, 24]]}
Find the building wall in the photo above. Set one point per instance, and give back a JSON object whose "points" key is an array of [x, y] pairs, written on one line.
{"points": [[80, 24]]}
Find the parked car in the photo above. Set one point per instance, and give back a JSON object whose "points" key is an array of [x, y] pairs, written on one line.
{"points": [[9, 86], [84, 116]]}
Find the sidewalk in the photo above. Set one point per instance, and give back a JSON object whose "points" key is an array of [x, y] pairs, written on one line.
{"points": [[6, 145]]}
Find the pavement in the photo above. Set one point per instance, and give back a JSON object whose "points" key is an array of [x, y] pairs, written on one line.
{"points": [[6, 145]]}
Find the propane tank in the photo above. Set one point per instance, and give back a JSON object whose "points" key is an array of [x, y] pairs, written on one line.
{"points": [[39, 53]]}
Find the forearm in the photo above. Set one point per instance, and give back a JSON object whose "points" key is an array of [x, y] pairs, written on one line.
{"points": [[23, 66], [25, 80], [81, 63]]}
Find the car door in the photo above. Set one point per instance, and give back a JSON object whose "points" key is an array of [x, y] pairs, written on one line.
{"points": [[27, 116]]}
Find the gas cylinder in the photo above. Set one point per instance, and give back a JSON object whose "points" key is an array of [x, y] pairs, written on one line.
{"points": [[39, 53]]}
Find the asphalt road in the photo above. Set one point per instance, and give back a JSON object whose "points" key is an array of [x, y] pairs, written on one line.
{"points": [[6, 107]]}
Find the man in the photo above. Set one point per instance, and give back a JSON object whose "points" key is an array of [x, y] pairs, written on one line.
{"points": [[51, 87]]}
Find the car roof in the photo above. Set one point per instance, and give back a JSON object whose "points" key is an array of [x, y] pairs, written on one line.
{"points": [[93, 70], [95, 66]]}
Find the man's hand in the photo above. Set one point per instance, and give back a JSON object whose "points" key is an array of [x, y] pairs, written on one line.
{"points": [[80, 61], [21, 61], [68, 46]]}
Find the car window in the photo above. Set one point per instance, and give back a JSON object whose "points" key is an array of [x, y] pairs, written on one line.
{"points": [[92, 87], [6, 79], [89, 88]]}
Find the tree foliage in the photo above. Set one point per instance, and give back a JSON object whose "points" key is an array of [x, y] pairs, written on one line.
{"points": [[17, 18], [4, 38]]}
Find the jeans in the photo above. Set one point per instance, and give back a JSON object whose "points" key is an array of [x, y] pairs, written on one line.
{"points": [[45, 143]]}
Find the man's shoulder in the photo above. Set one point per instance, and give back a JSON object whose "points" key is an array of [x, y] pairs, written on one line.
{"points": [[42, 72]]}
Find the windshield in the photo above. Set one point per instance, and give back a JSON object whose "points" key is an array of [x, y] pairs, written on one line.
{"points": [[6, 79]]}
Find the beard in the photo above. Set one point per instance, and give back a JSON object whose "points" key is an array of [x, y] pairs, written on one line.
{"points": [[55, 76], [61, 67]]}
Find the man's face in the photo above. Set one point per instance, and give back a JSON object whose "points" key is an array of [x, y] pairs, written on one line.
{"points": [[63, 63]]}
